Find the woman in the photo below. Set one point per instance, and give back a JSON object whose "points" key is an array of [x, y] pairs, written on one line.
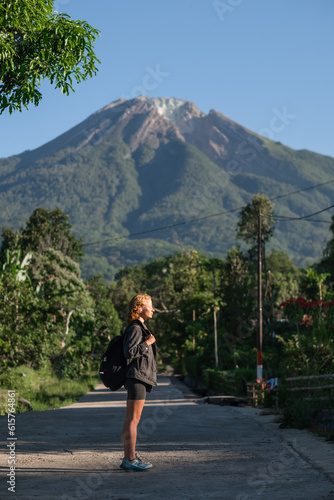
{"points": [[140, 352]]}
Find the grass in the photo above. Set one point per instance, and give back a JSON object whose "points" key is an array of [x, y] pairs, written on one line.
{"points": [[301, 413], [42, 388]]}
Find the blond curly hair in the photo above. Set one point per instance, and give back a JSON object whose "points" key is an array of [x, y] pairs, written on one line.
{"points": [[135, 305]]}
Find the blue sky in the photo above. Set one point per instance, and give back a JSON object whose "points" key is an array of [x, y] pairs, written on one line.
{"points": [[265, 64]]}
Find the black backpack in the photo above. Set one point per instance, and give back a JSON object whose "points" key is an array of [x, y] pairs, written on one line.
{"points": [[113, 364]]}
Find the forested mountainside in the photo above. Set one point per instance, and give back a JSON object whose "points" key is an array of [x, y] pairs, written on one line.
{"points": [[137, 166]]}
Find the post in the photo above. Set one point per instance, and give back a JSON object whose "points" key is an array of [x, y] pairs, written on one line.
{"points": [[259, 304], [215, 308], [194, 340]]}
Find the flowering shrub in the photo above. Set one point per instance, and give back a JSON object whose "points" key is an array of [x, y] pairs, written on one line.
{"points": [[310, 350], [306, 304], [307, 312]]}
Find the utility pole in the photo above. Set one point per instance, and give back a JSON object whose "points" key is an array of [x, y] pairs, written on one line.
{"points": [[215, 309], [259, 303], [194, 340]]}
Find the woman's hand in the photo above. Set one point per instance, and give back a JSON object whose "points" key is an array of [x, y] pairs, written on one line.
{"points": [[150, 339]]}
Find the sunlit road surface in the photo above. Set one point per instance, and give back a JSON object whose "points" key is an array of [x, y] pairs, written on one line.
{"points": [[198, 451]]}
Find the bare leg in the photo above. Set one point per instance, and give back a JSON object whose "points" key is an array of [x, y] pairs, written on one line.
{"points": [[134, 410]]}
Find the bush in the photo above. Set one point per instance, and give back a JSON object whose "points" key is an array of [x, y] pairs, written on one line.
{"points": [[242, 376], [42, 388], [217, 381], [192, 366], [228, 382], [178, 365], [297, 413], [205, 378]]}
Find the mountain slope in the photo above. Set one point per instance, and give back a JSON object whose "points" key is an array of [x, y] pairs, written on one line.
{"points": [[136, 166]]}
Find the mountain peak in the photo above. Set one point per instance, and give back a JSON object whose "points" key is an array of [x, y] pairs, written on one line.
{"points": [[175, 109], [168, 106]]}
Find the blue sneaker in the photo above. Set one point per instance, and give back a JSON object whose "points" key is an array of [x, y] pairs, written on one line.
{"points": [[135, 464]]}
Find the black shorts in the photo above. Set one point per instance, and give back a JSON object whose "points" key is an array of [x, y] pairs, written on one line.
{"points": [[136, 388]]}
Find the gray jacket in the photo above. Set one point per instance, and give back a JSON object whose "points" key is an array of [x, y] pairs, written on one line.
{"points": [[141, 358]]}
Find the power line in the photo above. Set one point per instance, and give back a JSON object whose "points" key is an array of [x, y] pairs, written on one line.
{"points": [[302, 190], [198, 219], [289, 219], [304, 217]]}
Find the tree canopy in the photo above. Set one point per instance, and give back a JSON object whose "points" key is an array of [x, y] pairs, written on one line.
{"points": [[37, 43], [247, 227], [45, 229]]}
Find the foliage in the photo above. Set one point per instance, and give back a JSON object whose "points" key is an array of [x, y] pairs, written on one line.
{"points": [[57, 279], [327, 262], [106, 323], [312, 284], [182, 287], [48, 312], [18, 268], [283, 280], [42, 388], [232, 382], [247, 227], [38, 43], [35, 320], [309, 351], [44, 229], [237, 286], [298, 411], [186, 286], [27, 334]]}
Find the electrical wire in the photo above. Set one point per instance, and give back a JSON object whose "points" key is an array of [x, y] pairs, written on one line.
{"points": [[198, 219], [302, 190], [304, 217], [288, 219]]}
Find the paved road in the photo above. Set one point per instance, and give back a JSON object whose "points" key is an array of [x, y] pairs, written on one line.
{"points": [[199, 451]]}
